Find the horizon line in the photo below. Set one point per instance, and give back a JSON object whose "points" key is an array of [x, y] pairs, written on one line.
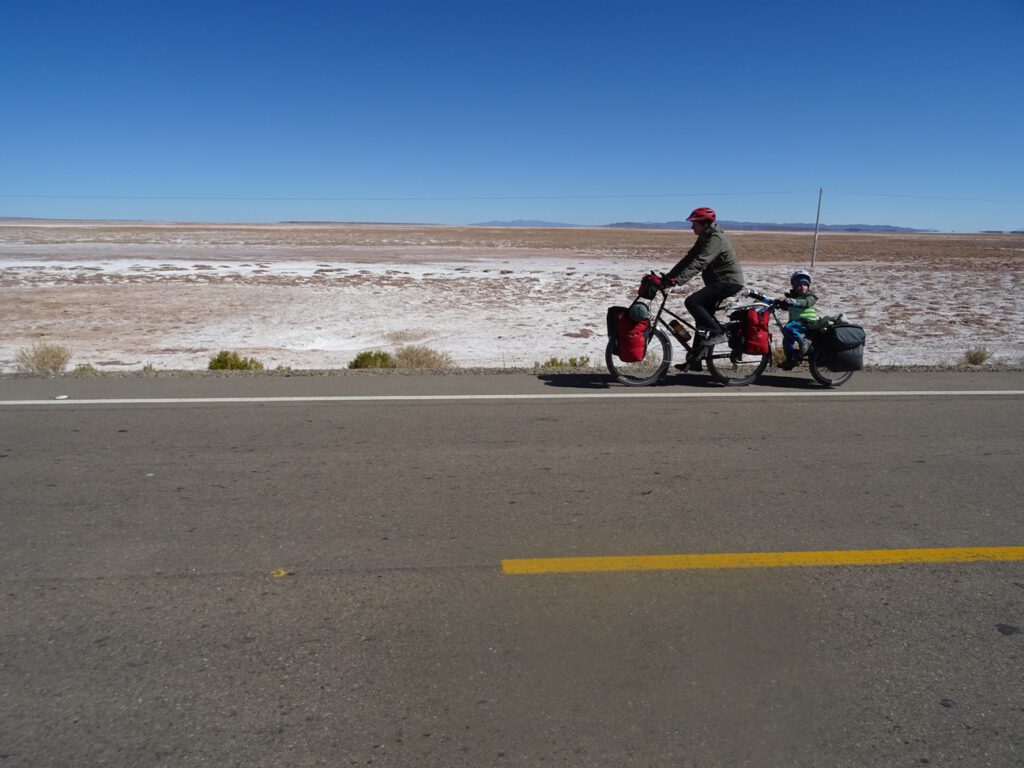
{"points": [[858, 228]]}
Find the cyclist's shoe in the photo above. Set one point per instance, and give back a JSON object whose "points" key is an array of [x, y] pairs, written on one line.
{"points": [[715, 338], [788, 365]]}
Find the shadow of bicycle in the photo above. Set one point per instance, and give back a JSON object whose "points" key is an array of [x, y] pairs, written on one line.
{"points": [[605, 381], [786, 381], [578, 380]]}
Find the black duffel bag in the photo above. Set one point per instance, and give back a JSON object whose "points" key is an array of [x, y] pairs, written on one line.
{"points": [[843, 347]]}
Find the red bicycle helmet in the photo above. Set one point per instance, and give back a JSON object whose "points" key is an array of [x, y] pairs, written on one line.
{"points": [[702, 214]]}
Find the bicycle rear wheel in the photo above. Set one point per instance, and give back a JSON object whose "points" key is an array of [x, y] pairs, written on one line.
{"points": [[821, 373], [735, 369], [644, 372]]}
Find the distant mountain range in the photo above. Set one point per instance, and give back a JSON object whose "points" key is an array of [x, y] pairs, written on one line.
{"points": [[769, 227], [736, 225], [531, 223]]}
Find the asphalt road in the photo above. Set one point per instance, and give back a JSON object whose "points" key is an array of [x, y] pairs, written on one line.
{"points": [[318, 582]]}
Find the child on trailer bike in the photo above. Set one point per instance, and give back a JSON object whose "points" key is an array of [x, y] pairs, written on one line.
{"points": [[713, 257], [800, 301]]}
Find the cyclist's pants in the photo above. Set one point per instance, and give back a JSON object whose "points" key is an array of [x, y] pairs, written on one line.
{"points": [[701, 304]]}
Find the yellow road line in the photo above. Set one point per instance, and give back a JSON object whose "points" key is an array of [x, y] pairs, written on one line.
{"points": [[758, 560]]}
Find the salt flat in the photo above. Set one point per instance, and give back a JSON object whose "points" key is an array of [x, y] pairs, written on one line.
{"points": [[122, 296]]}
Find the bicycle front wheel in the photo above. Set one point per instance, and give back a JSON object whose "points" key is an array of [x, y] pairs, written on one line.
{"points": [[644, 372], [735, 369], [821, 373]]}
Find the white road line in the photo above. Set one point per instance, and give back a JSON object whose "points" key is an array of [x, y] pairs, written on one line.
{"points": [[726, 393]]}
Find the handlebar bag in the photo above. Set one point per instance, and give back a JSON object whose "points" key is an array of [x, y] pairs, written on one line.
{"points": [[649, 286], [629, 338]]}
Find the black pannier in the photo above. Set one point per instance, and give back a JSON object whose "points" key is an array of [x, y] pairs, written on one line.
{"points": [[843, 347], [737, 330]]}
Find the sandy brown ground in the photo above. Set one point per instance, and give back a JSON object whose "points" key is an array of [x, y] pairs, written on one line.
{"points": [[311, 296], [657, 245]]}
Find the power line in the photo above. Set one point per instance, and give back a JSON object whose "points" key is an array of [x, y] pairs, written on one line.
{"points": [[930, 197], [454, 198], [388, 199]]}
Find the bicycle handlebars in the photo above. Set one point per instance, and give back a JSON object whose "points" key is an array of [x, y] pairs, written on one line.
{"points": [[762, 298]]}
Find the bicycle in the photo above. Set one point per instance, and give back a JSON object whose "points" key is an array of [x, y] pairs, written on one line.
{"points": [[816, 355], [727, 366]]}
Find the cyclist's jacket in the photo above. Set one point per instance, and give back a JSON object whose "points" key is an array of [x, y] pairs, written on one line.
{"points": [[713, 257], [803, 311]]}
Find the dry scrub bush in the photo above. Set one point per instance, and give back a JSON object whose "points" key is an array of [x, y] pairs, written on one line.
{"points": [[372, 359], [976, 355], [42, 359], [421, 357], [232, 361], [409, 357]]}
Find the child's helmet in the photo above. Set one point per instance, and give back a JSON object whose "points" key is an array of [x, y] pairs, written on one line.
{"points": [[800, 276], [702, 214]]}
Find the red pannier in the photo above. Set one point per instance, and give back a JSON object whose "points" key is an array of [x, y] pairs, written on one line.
{"points": [[757, 339], [629, 337]]}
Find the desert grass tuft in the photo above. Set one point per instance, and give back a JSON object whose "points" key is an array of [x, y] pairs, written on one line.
{"points": [[408, 357], [556, 362], [232, 361], [42, 359], [372, 359], [413, 356], [976, 355]]}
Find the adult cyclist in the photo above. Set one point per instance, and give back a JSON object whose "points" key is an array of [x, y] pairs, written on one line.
{"points": [[713, 257]]}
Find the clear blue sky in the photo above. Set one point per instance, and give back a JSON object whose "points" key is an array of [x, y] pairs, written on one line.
{"points": [[907, 112]]}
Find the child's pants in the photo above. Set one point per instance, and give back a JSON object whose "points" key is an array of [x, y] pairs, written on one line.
{"points": [[794, 341]]}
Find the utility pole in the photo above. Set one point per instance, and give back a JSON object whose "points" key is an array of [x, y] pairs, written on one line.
{"points": [[817, 221]]}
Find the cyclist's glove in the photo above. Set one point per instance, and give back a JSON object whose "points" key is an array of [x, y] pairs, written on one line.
{"points": [[666, 281], [786, 302]]}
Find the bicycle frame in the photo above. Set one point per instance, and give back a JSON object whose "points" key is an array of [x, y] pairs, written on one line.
{"points": [[691, 329]]}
